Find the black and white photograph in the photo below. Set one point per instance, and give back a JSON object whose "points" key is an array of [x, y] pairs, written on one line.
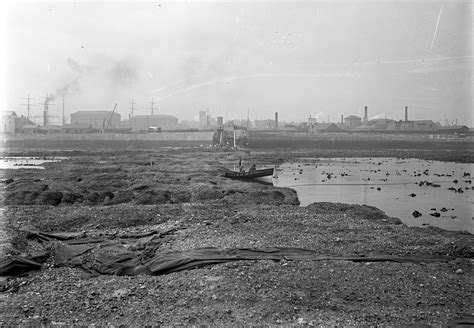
{"points": [[205, 163]]}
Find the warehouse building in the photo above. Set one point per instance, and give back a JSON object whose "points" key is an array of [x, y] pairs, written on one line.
{"points": [[412, 126], [352, 121], [7, 121], [98, 119], [151, 122], [316, 128]]}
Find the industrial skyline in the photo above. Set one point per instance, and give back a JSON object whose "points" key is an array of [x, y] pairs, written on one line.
{"points": [[42, 114], [319, 59]]}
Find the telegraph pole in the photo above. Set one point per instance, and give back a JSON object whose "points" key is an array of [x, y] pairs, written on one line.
{"points": [[132, 108], [27, 106], [152, 103]]}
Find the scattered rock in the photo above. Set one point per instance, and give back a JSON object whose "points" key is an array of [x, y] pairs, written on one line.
{"points": [[416, 214], [122, 292]]}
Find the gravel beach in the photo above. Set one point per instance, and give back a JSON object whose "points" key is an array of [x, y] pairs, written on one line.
{"points": [[114, 194]]}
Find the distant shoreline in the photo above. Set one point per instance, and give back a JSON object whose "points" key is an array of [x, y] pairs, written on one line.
{"points": [[271, 145]]}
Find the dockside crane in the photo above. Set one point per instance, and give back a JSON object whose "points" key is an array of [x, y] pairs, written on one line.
{"points": [[109, 121]]}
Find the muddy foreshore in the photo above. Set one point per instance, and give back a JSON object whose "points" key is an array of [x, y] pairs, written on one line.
{"points": [[111, 195]]}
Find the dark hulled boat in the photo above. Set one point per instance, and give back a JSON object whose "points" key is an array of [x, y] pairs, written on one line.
{"points": [[249, 175]]}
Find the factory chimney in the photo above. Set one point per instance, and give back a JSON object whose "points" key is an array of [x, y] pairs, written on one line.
{"points": [[406, 113], [276, 120], [45, 112], [365, 114], [64, 117], [342, 119]]}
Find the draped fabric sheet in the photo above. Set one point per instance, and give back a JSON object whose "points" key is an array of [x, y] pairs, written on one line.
{"points": [[139, 254]]}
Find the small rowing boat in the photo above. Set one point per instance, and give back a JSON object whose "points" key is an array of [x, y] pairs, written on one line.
{"points": [[249, 175]]}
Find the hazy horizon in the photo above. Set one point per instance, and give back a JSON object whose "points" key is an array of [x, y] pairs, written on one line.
{"points": [[312, 58]]}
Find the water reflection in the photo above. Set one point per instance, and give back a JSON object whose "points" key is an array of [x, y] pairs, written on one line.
{"points": [[441, 192], [26, 162]]}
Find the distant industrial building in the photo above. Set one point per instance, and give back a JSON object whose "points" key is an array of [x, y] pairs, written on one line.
{"points": [[315, 128], [11, 123], [7, 123], [206, 121], [147, 122], [98, 119], [373, 125], [455, 129], [203, 119], [412, 126], [352, 121], [426, 125], [244, 124], [78, 129], [28, 129], [20, 122], [264, 124]]}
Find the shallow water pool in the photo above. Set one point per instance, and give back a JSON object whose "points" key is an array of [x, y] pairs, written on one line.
{"points": [[26, 162], [440, 191]]}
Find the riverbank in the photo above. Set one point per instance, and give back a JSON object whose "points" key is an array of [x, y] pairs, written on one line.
{"points": [[183, 195]]}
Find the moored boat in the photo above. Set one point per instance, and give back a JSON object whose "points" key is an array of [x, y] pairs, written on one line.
{"points": [[249, 175]]}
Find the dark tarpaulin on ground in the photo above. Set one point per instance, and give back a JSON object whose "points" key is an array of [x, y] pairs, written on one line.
{"points": [[44, 236], [135, 254], [178, 261], [17, 265]]}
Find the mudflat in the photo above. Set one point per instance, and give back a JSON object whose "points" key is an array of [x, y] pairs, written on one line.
{"points": [[136, 208]]}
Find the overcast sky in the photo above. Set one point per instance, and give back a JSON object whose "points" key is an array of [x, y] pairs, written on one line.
{"points": [[318, 58]]}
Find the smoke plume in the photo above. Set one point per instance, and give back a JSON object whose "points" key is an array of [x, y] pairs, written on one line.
{"points": [[378, 116], [74, 66], [72, 85], [123, 72]]}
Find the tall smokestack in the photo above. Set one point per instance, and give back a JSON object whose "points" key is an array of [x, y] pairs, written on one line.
{"points": [[276, 120], [365, 114], [64, 117], [342, 119], [406, 113], [45, 112], [248, 117]]}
